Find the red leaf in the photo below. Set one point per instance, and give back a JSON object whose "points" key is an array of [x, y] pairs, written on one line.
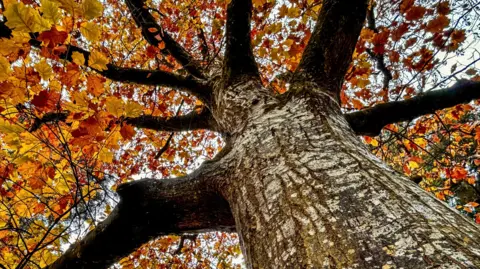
{"points": [[53, 37], [46, 100]]}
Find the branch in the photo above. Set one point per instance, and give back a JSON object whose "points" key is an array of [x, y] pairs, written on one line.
{"points": [[188, 122], [47, 118], [329, 51], [144, 19], [370, 121], [147, 77], [379, 58], [239, 60], [149, 208]]}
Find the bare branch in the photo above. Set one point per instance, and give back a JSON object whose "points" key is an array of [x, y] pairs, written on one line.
{"points": [[329, 51], [147, 77], [379, 58], [239, 60], [188, 122], [144, 19], [149, 208], [370, 121]]}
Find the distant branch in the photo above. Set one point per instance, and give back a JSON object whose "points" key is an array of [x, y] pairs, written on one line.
{"points": [[149, 208], [329, 51], [370, 121], [154, 34], [239, 60]]}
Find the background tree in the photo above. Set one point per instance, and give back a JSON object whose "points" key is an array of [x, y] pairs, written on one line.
{"points": [[95, 94]]}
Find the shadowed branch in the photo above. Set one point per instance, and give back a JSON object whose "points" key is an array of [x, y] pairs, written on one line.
{"points": [[149, 208], [154, 34], [239, 60], [329, 51], [370, 121]]}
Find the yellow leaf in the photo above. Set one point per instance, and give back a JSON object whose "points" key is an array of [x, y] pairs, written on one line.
{"points": [[413, 164], [92, 9], [25, 19], [98, 61], [90, 31], [70, 6], [105, 156], [78, 58], [44, 69], [5, 69], [7, 127], [51, 11], [114, 106], [8, 47], [133, 109]]}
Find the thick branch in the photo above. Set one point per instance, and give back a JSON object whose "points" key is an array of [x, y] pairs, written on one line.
{"points": [[239, 60], [370, 121], [190, 121], [329, 51], [144, 19], [149, 208], [147, 77]]}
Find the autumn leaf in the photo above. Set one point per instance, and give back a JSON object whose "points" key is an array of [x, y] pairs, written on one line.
{"points": [[127, 132], [5, 69], [92, 9], [50, 11], [95, 84], [25, 19], [114, 105], [97, 61], [438, 24], [46, 100], [90, 31], [415, 13], [53, 37], [78, 58], [133, 109], [44, 69]]}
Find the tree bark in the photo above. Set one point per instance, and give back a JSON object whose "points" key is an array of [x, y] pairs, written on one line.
{"points": [[306, 193]]}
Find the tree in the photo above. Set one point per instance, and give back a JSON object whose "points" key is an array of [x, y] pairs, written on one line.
{"points": [[292, 177]]}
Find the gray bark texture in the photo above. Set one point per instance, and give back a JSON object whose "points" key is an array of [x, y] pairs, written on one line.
{"points": [[294, 180]]}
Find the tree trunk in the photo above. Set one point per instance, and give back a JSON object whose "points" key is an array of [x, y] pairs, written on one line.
{"points": [[306, 193]]}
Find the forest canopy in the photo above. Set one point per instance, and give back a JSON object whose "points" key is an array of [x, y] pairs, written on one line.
{"points": [[96, 93]]}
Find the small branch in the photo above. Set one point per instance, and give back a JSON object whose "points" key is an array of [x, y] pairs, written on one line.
{"points": [[379, 58], [167, 143], [149, 208], [329, 51], [239, 60], [370, 121], [144, 19]]}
